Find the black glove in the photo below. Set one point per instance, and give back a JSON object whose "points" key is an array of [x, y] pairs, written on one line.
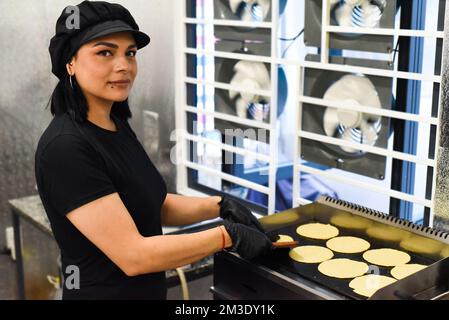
{"points": [[234, 211], [246, 241]]}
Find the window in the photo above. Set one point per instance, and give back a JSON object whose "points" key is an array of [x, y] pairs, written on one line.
{"points": [[277, 108]]}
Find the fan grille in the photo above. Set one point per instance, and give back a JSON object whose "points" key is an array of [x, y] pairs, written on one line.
{"points": [[357, 135], [360, 18]]}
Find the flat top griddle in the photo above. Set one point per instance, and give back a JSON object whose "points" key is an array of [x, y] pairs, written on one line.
{"points": [[280, 261]]}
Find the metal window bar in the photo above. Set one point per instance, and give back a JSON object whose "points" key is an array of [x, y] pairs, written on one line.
{"points": [[324, 64], [229, 23], [319, 65], [227, 117], [183, 138]]}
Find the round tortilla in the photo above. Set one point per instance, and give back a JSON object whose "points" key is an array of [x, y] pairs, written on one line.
{"points": [[387, 233], [348, 244], [421, 245], [403, 271], [343, 268], [317, 231], [284, 238], [311, 254], [368, 285], [350, 221], [386, 257]]}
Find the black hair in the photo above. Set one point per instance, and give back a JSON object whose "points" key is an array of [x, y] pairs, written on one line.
{"points": [[72, 101]]}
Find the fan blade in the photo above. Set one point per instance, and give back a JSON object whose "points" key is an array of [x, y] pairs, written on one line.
{"points": [[265, 4], [235, 5], [330, 122], [347, 136], [370, 135], [354, 88], [343, 15], [354, 3], [246, 15], [371, 15], [245, 68], [256, 70], [262, 75], [246, 83], [236, 81], [253, 75], [241, 107]]}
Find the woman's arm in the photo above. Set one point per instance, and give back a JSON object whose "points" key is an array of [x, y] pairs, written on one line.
{"points": [[107, 223], [180, 210]]}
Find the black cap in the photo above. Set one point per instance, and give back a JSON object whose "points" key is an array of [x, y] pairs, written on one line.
{"points": [[96, 19]]}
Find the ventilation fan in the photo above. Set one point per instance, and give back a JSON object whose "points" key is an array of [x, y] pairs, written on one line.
{"points": [[252, 75], [352, 13], [246, 10], [352, 90], [250, 10], [257, 40], [359, 13], [354, 126]]}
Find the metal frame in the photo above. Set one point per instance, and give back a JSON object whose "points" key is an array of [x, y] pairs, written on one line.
{"points": [[275, 61], [183, 137]]}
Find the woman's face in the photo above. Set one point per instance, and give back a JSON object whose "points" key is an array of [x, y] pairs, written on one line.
{"points": [[105, 68]]}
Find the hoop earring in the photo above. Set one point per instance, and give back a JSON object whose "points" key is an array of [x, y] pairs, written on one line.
{"points": [[71, 84]]}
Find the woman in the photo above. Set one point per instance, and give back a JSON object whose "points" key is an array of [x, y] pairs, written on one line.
{"points": [[104, 198]]}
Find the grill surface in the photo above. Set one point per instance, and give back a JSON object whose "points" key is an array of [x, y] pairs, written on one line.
{"points": [[323, 212]]}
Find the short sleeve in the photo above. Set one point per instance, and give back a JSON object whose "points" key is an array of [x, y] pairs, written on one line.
{"points": [[72, 174]]}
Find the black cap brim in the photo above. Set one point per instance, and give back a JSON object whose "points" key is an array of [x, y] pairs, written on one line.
{"points": [[115, 26]]}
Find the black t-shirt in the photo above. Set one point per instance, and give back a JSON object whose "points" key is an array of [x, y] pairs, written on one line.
{"points": [[78, 163]]}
